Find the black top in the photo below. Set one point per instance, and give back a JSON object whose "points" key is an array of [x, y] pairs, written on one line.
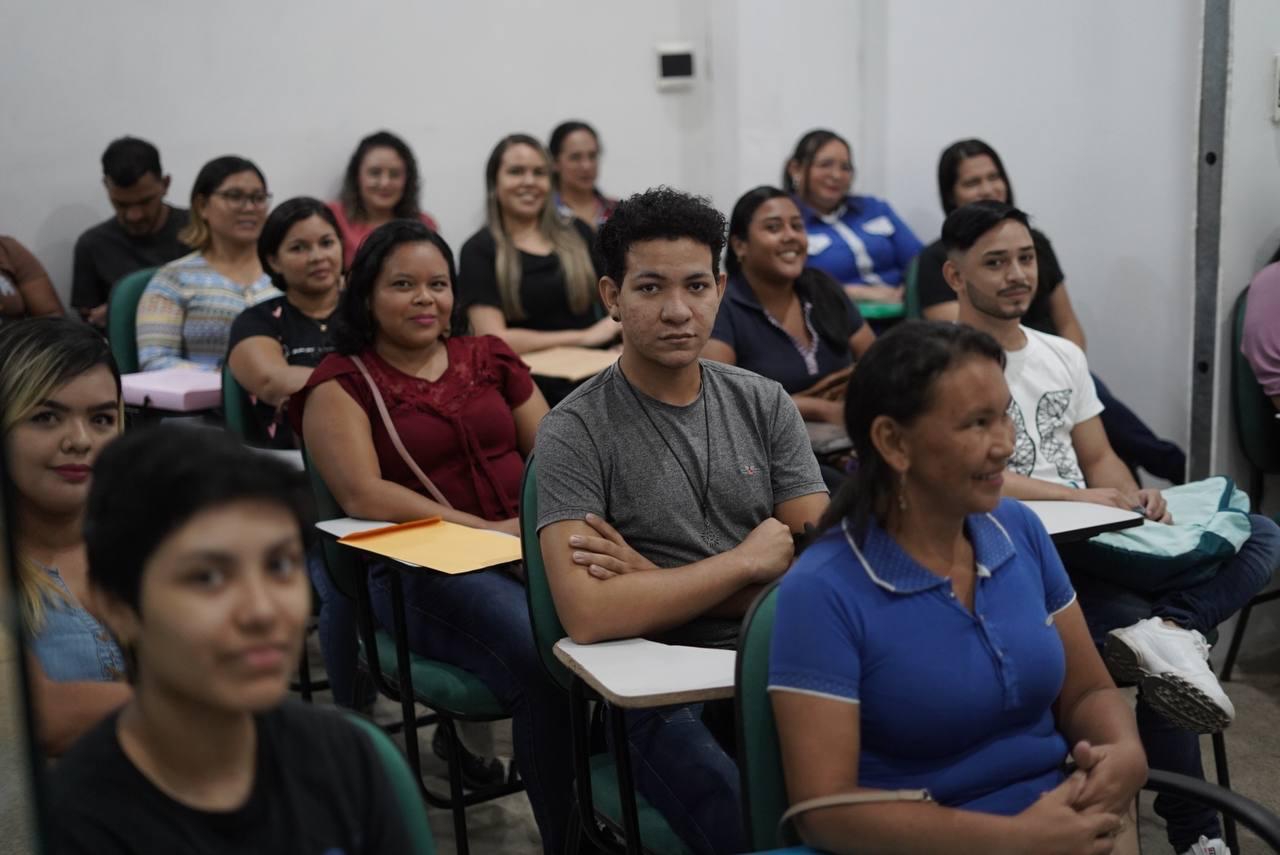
{"points": [[319, 789], [543, 293], [303, 340], [933, 289], [106, 253]]}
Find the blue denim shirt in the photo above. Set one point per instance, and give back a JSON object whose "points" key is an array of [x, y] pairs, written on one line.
{"points": [[72, 645]]}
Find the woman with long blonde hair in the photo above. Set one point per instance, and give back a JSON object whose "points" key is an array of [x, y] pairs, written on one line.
{"points": [[60, 393], [528, 277]]}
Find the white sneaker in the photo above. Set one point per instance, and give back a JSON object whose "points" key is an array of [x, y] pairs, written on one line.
{"points": [[1171, 665], [1208, 847]]}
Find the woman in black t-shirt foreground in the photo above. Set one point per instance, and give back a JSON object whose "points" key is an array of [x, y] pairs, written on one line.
{"points": [[274, 345], [196, 560], [529, 277], [971, 171]]}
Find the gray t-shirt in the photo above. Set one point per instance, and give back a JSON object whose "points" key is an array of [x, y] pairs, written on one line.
{"points": [[598, 453]]}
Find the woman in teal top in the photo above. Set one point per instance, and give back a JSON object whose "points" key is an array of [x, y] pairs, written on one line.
{"points": [[61, 405]]}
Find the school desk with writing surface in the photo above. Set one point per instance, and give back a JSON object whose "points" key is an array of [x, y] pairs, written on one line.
{"points": [[1068, 522]]}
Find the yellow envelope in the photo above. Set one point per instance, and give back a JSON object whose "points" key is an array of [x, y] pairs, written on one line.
{"points": [[443, 546], [569, 363]]}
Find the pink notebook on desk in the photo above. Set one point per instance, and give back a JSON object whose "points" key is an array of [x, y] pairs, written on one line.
{"points": [[182, 390]]}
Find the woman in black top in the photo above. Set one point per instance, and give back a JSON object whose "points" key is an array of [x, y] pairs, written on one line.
{"points": [[195, 549], [527, 276], [274, 345]]}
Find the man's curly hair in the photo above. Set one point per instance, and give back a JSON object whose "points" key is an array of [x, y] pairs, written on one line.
{"points": [[659, 213]]}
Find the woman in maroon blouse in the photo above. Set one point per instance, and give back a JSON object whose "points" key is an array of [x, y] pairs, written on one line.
{"points": [[466, 409]]}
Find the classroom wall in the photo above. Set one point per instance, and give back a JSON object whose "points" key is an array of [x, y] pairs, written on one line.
{"points": [[294, 86], [1250, 234], [1100, 149]]}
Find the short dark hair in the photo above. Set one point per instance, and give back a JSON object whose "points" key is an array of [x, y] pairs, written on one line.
{"points": [[896, 378], [407, 207], [964, 226], [151, 481], [806, 150], [949, 169], [353, 324], [128, 159], [659, 213], [277, 226]]}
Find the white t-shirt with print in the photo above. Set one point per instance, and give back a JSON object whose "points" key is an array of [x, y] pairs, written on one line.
{"points": [[1052, 393]]}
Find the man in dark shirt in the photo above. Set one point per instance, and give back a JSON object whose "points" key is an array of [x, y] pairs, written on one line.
{"points": [[143, 233]]}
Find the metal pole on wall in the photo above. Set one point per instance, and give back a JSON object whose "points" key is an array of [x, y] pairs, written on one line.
{"points": [[1214, 54]]}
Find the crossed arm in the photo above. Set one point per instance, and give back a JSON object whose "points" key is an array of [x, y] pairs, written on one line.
{"points": [[602, 592]]}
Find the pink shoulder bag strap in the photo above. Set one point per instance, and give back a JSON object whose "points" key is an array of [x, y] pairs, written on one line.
{"points": [[395, 436]]}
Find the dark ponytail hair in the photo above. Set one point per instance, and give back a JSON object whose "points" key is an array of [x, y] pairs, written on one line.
{"points": [[830, 314], [895, 378]]}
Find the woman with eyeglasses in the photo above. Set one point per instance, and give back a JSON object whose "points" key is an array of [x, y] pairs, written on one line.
{"points": [[185, 314]]}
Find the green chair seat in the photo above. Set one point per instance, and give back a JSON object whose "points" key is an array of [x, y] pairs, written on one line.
{"points": [[403, 785], [439, 685], [658, 837]]}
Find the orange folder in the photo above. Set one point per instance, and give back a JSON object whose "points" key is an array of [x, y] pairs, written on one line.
{"points": [[443, 546]]}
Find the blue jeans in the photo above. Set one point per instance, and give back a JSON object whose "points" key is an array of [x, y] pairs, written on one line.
{"points": [[1135, 443], [1202, 607], [337, 630], [480, 622], [685, 775]]}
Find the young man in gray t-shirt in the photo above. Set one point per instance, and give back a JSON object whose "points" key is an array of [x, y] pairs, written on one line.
{"points": [[669, 488]]}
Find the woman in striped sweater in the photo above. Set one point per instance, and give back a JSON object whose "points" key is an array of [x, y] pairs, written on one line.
{"points": [[185, 314]]}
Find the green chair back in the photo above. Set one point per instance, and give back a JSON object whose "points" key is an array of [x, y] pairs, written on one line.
{"points": [[340, 563], [547, 629], [122, 318], [235, 405], [1257, 429], [911, 294], [408, 798], [764, 791]]}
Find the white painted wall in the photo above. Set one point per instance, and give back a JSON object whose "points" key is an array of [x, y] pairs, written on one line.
{"points": [[294, 85], [1100, 149]]}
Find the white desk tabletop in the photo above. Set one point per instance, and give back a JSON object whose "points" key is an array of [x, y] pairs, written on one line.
{"points": [[344, 526], [1069, 521], [636, 673]]}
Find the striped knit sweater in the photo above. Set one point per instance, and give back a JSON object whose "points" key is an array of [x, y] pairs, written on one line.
{"points": [[185, 314]]}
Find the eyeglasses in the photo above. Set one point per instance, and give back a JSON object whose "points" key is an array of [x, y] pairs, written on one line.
{"points": [[241, 199]]}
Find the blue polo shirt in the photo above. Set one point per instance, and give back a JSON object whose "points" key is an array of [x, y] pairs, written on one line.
{"points": [[862, 242], [952, 701], [760, 344]]}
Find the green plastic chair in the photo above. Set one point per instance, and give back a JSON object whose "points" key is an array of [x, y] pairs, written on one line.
{"points": [[122, 318], [1258, 432], [911, 296], [235, 404], [605, 798], [764, 793], [450, 692], [403, 786]]}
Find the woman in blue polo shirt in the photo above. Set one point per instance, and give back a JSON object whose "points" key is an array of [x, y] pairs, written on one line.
{"points": [[859, 240], [931, 641], [778, 318]]}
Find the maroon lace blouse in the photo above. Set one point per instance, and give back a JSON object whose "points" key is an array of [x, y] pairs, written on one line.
{"points": [[458, 429]]}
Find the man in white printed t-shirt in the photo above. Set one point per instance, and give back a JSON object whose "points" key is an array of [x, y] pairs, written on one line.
{"points": [[1061, 452]]}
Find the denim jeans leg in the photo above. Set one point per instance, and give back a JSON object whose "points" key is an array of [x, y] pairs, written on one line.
{"points": [[1171, 748], [1135, 443], [1208, 604], [683, 773], [480, 622], [337, 631]]}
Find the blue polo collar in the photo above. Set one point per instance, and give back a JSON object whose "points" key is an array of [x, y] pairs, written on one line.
{"points": [[888, 566], [850, 204], [740, 292]]}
